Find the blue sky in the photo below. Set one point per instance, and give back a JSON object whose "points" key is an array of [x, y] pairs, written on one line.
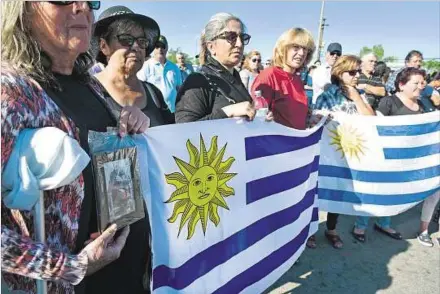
{"points": [[398, 26]]}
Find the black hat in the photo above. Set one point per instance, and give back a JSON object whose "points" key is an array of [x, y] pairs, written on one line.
{"points": [[115, 12], [332, 47]]}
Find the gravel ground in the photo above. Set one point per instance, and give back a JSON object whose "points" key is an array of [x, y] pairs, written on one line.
{"points": [[381, 265]]}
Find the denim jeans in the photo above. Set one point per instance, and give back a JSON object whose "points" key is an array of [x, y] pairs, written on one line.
{"points": [[362, 222]]}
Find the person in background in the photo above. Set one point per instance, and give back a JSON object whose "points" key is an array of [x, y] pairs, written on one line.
{"points": [[239, 66], [281, 84], [162, 73], [382, 71], [125, 39], [322, 74], [185, 68], [317, 63], [45, 83], [429, 96], [369, 83], [216, 91], [268, 63], [308, 86], [435, 81], [342, 96], [251, 68], [409, 83]]}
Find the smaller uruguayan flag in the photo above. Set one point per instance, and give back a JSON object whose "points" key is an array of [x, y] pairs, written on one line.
{"points": [[232, 203], [379, 166]]}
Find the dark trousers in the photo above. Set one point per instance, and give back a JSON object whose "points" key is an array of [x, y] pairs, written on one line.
{"points": [[332, 220]]}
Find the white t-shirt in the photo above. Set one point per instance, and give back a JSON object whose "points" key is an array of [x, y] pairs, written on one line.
{"points": [[321, 77]]}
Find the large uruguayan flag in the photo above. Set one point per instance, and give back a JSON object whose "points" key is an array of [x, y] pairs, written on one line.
{"points": [[379, 166], [231, 203]]}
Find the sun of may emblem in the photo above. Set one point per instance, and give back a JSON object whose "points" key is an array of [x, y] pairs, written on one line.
{"points": [[200, 186], [348, 141]]}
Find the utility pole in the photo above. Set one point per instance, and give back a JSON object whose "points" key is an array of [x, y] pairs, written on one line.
{"points": [[322, 24]]}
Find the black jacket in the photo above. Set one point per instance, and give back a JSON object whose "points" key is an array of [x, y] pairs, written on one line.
{"points": [[204, 94]]}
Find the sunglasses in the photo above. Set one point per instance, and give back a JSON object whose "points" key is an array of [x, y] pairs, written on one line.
{"points": [[336, 53], [128, 40], [93, 5], [231, 37], [354, 72], [256, 60]]}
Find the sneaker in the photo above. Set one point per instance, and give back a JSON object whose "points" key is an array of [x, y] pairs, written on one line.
{"points": [[425, 240]]}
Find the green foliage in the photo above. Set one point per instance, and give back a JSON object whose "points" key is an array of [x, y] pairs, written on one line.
{"points": [[379, 52], [433, 65]]}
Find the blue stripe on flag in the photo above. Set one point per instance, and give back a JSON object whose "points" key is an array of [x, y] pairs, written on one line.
{"points": [[413, 152], [268, 186], [217, 254], [265, 266], [315, 214], [379, 176], [364, 198], [409, 130], [261, 146]]}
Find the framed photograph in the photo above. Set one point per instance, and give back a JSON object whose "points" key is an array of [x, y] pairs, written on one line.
{"points": [[117, 184]]}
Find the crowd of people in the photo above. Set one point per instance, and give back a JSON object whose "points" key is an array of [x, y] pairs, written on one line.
{"points": [[80, 75]]}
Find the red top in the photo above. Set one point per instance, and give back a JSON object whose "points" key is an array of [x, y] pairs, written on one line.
{"points": [[284, 92]]}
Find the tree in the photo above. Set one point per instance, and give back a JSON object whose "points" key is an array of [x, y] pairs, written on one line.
{"points": [[379, 52], [432, 64], [172, 55]]}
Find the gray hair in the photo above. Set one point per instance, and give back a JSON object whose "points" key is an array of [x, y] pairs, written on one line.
{"points": [[371, 54], [215, 25]]}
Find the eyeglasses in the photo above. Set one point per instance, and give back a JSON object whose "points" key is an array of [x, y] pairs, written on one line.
{"points": [[336, 53], [128, 40], [354, 72], [256, 60], [93, 5], [232, 37]]}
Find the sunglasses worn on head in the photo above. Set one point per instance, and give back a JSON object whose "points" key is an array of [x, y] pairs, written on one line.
{"points": [[336, 53], [93, 5], [256, 60], [128, 40], [354, 72], [231, 37]]}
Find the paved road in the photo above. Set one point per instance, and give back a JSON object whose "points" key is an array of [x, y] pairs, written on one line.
{"points": [[382, 265]]}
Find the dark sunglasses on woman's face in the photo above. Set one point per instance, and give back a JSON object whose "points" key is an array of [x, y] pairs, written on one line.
{"points": [[231, 37], [336, 53], [128, 40], [354, 72], [93, 5], [256, 60]]}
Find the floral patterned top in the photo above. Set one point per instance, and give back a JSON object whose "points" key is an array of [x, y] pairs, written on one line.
{"points": [[25, 104]]}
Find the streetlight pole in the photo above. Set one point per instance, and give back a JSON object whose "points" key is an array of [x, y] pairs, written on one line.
{"points": [[322, 24]]}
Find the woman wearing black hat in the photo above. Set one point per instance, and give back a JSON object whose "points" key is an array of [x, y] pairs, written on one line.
{"points": [[123, 39]]}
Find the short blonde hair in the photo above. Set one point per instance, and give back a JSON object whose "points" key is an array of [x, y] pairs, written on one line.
{"points": [[248, 58], [343, 64], [295, 36]]}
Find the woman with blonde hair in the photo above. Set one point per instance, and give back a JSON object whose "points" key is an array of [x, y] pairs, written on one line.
{"points": [[45, 83], [251, 68], [342, 96], [281, 85]]}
